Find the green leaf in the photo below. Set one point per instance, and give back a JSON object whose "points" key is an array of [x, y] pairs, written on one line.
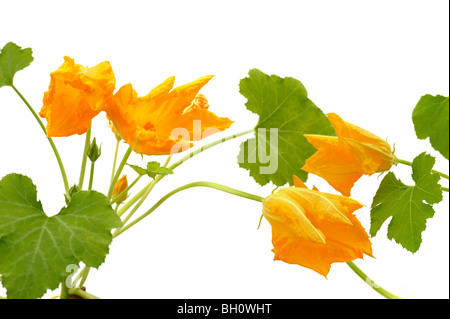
{"points": [[153, 169], [430, 118], [279, 149], [141, 171], [12, 59], [409, 206], [35, 249]]}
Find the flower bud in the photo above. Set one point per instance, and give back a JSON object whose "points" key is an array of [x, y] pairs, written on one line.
{"points": [[341, 160], [120, 186], [72, 191], [94, 151]]}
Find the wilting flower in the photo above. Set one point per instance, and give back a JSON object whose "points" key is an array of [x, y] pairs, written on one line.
{"points": [[314, 229], [120, 186], [152, 124], [342, 160], [76, 95]]}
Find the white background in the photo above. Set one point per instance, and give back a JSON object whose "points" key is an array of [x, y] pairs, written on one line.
{"points": [[368, 61]]}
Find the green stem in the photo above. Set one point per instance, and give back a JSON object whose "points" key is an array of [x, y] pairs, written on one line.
{"points": [[81, 293], [220, 187], [126, 189], [141, 200], [207, 146], [84, 159], [52, 144], [64, 290], [148, 189], [136, 197], [91, 176], [410, 164], [445, 189], [119, 171], [372, 284], [115, 160], [79, 276], [85, 275]]}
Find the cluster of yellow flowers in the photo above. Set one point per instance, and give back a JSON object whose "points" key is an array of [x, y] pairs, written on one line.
{"points": [[309, 228]]}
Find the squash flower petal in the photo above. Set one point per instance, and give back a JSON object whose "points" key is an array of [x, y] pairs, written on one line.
{"points": [[342, 160], [76, 95], [166, 120], [314, 229]]}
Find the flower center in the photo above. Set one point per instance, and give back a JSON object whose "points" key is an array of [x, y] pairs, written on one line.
{"points": [[149, 126], [199, 102]]}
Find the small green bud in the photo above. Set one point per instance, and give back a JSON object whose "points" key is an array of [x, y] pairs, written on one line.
{"points": [[72, 191], [94, 151]]}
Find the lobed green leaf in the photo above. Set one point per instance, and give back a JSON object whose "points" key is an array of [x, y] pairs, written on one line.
{"points": [[153, 169], [35, 250], [283, 107], [431, 119], [13, 59], [409, 206]]}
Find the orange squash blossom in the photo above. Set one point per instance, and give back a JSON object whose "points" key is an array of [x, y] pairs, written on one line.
{"points": [[75, 96], [150, 124], [342, 160], [314, 229]]}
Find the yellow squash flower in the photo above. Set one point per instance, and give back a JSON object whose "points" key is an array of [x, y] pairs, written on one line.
{"points": [[342, 160], [166, 120], [76, 95], [314, 229], [120, 186]]}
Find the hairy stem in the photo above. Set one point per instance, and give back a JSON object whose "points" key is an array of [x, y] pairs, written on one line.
{"points": [[64, 290], [136, 197], [372, 284], [148, 189], [410, 164], [91, 176], [115, 161], [84, 158], [52, 144], [207, 146], [84, 277], [115, 199], [220, 187], [119, 171], [81, 293]]}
